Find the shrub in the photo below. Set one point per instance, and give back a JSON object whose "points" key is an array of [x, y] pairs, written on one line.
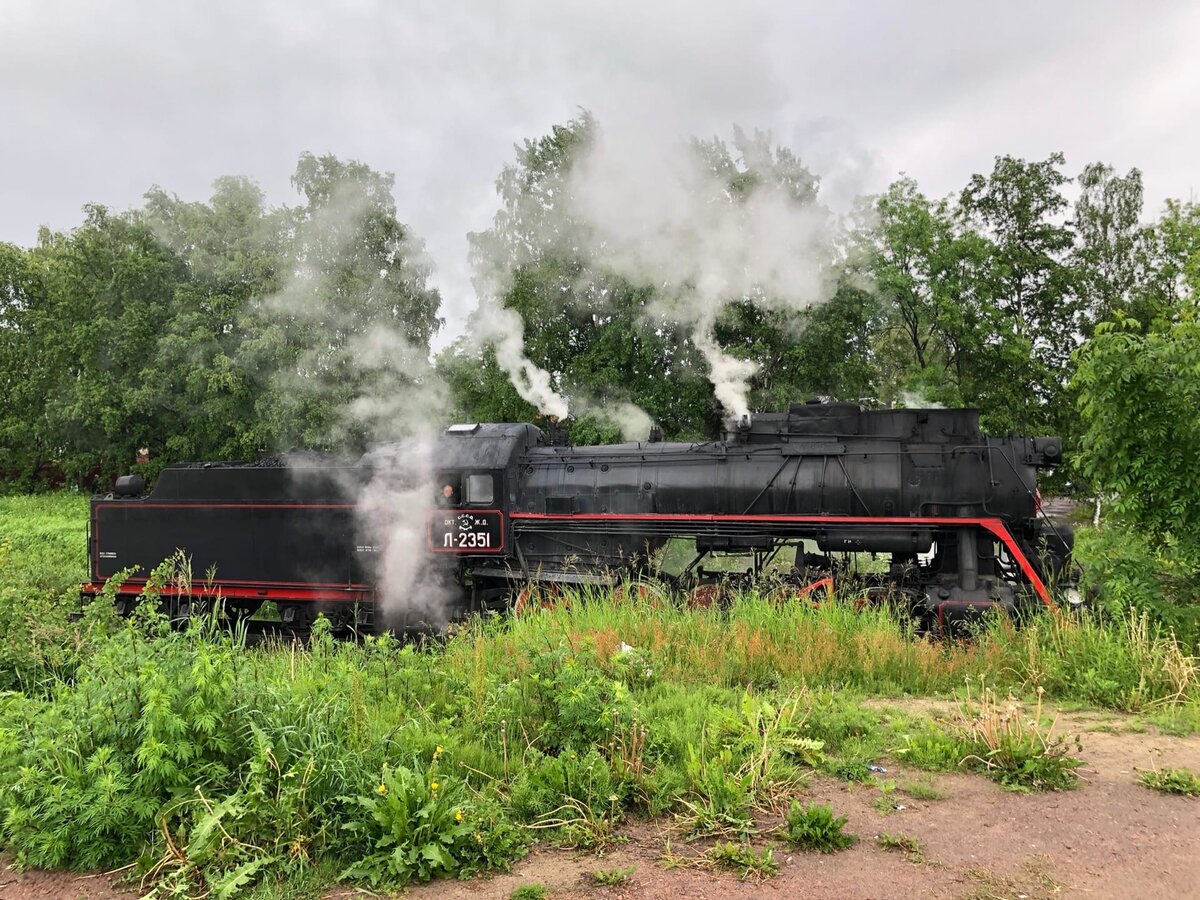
{"points": [[816, 828], [425, 823]]}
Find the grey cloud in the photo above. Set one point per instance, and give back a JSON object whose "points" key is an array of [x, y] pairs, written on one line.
{"points": [[101, 100]]}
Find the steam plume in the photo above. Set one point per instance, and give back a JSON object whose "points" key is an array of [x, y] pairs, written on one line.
{"points": [[363, 375], [667, 215]]}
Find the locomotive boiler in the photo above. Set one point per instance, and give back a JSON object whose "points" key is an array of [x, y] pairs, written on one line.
{"points": [[914, 507]]}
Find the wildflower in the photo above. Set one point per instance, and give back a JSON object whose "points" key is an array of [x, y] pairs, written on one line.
{"points": [[458, 816], [382, 789], [433, 786], [438, 751]]}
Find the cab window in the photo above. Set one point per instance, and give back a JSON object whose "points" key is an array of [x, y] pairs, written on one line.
{"points": [[478, 490]]}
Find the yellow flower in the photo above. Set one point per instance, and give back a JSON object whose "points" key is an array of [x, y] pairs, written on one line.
{"points": [[438, 751], [458, 816], [434, 786], [382, 789]]}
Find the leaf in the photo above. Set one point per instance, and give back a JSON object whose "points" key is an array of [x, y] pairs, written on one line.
{"points": [[232, 882], [201, 837], [436, 853]]}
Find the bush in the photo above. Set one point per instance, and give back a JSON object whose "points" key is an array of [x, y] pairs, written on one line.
{"points": [[816, 828], [423, 823]]}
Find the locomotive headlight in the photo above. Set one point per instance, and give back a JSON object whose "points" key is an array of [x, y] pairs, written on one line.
{"points": [[1049, 447]]}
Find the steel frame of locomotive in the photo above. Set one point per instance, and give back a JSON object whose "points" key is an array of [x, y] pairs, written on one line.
{"points": [[955, 512]]}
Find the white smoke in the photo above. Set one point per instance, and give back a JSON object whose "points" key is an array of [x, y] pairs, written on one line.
{"points": [[700, 226], [365, 373], [635, 423], [503, 329], [664, 214], [393, 510], [917, 400]]}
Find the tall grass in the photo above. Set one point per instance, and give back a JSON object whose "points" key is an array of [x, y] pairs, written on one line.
{"points": [[43, 557], [1124, 664]]}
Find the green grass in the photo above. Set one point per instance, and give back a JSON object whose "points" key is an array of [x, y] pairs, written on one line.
{"points": [[43, 558], [743, 859], [1172, 781], [533, 891], [612, 877], [924, 790], [233, 772]]}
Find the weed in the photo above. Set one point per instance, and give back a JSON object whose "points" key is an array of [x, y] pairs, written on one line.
{"points": [[885, 802], [850, 769], [534, 891], [1172, 781], [1016, 751], [816, 828], [422, 824], [934, 749], [720, 797], [613, 877], [231, 772], [902, 843], [923, 790], [743, 859]]}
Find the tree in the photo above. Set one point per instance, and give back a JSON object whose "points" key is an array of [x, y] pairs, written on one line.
{"points": [[1030, 281], [597, 334], [108, 284], [346, 338], [23, 376], [1171, 278], [607, 337], [1111, 248], [233, 248], [1138, 394]]}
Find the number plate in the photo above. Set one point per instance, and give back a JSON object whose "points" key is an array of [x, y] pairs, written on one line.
{"points": [[466, 531]]}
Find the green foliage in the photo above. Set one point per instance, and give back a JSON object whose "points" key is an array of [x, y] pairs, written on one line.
{"points": [[719, 798], [816, 828], [1138, 389], [209, 330], [612, 877], [933, 749], [743, 859], [902, 843], [1172, 781], [424, 824], [228, 772], [534, 891], [1138, 395]]}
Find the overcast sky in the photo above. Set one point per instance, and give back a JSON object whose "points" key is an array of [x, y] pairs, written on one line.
{"points": [[100, 100]]}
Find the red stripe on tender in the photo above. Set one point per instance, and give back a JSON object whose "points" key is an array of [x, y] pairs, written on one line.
{"points": [[236, 592], [201, 504]]}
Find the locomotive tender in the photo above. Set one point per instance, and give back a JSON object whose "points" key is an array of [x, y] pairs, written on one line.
{"points": [[954, 514]]}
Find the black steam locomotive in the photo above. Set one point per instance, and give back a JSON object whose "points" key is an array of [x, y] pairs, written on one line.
{"points": [[948, 519]]}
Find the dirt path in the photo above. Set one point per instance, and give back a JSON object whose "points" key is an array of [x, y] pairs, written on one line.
{"points": [[1110, 838]]}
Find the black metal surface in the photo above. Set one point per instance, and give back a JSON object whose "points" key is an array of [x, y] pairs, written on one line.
{"points": [[293, 523]]}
